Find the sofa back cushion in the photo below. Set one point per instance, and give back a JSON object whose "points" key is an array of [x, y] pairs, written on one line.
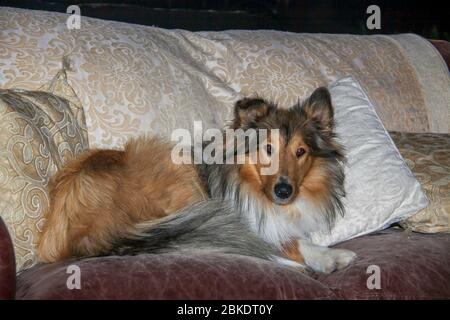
{"points": [[134, 79]]}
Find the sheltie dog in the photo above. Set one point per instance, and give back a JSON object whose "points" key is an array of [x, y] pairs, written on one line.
{"points": [[139, 201]]}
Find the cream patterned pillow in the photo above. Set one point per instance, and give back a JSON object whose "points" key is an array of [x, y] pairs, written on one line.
{"points": [[428, 156], [39, 130]]}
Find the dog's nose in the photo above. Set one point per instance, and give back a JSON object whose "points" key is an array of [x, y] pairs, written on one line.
{"points": [[283, 190]]}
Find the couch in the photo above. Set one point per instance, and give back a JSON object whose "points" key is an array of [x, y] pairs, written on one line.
{"points": [[157, 70], [413, 266]]}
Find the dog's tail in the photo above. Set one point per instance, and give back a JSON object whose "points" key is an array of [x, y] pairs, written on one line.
{"points": [[209, 226]]}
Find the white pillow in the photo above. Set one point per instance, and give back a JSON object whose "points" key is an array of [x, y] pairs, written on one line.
{"points": [[380, 188]]}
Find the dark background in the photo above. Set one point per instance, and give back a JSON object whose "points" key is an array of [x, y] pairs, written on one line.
{"points": [[430, 19]]}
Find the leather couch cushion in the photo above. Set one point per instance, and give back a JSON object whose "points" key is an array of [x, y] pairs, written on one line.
{"points": [[171, 276], [412, 266], [444, 49], [7, 264]]}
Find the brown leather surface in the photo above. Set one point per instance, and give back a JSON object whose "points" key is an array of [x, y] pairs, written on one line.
{"points": [[444, 49], [7, 264], [171, 276], [414, 267]]}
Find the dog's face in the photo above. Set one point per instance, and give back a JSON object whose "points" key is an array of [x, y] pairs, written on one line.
{"points": [[304, 147]]}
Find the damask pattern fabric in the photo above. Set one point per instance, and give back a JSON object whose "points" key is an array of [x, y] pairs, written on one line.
{"points": [[428, 156], [135, 79], [39, 131]]}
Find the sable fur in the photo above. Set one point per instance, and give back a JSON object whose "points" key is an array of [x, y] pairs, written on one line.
{"points": [[103, 194], [137, 200]]}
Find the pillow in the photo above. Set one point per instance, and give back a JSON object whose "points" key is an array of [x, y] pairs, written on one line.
{"points": [[428, 156], [380, 188], [39, 130]]}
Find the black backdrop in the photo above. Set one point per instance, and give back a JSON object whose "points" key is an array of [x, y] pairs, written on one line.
{"points": [[430, 18]]}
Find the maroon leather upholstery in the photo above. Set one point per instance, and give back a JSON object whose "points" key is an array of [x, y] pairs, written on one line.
{"points": [[414, 267], [444, 49], [171, 276], [7, 264]]}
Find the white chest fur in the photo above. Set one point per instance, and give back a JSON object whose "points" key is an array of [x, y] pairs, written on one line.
{"points": [[281, 224]]}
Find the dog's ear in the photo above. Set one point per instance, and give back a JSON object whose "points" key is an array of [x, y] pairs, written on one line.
{"points": [[250, 110], [318, 107]]}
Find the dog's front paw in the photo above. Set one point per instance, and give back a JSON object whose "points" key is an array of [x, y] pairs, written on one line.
{"points": [[326, 260], [334, 259]]}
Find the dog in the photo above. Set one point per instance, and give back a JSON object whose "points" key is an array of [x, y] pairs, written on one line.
{"points": [[137, 200]]}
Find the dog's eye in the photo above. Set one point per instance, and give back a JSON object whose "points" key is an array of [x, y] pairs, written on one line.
{"points": [[300, 152], [269, 149]]}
